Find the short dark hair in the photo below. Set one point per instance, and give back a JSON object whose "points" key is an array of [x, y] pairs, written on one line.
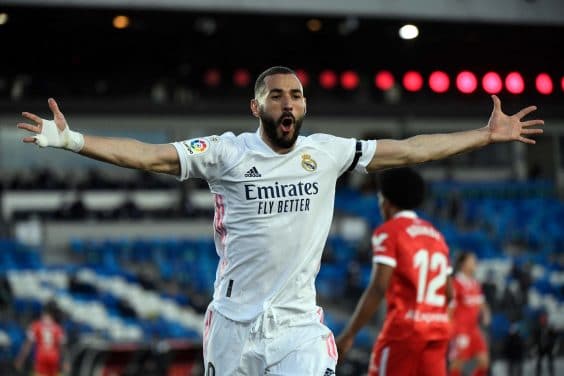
{"points": [[403, 187], [461, 259], [51, 308], [260, 84]]}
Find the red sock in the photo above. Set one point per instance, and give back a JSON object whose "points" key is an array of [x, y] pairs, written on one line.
{"points": [[455, 372], [480, 372]]}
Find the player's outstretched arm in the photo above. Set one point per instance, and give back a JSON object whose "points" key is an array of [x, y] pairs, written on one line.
{"points": [[424, 148], [366, 307], [118, 151], [23, 354]]}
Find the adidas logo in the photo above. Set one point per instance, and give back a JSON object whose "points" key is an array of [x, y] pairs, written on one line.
{"points": [[253, 173]]}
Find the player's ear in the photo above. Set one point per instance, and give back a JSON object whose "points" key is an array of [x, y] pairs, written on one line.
{"points": [[255, 107]]}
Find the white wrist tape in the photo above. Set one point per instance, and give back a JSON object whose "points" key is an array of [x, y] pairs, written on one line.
{"points": [[51, 136]]}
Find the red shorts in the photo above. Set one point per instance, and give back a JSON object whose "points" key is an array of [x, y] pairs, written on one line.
{"points": [[409, 357], [467, 344], [47, 369]]}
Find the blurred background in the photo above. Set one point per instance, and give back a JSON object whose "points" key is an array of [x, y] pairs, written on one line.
{"points": [[129, 257]]}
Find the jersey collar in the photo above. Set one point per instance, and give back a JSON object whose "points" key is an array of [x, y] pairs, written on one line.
{"points": [[263, 146], [406, 214], [463, 278]]}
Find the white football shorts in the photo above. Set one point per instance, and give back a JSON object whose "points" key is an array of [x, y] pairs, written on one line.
{"points": [[268, 345]]}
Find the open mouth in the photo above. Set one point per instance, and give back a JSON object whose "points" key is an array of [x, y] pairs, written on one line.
{"points": [[286, 123]]}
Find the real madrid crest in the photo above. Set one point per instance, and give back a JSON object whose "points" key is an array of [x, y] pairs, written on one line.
{"points": [[308, 163]]}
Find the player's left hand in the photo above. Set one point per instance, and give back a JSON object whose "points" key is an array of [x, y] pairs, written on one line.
{"points": [[504, 127], [344, 344]]}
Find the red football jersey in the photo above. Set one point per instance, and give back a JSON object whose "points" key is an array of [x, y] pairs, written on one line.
{"points": [[468, 301], [48, 337], [416, 296]]}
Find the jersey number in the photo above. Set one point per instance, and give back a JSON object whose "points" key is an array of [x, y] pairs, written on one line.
{"points": [[428, 293]]}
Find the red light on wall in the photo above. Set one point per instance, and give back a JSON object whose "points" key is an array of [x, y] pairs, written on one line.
{"points": [[384, 80], [303, 76], [439, 82], [543, 82], [562, 83], [491, 82], [349, 80], [514, 83], [466, 82], [328, 79], [412, 81], [242, 78], [212, 77]]}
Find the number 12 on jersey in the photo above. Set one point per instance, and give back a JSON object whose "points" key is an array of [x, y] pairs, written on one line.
{"points": [[427, 293]]}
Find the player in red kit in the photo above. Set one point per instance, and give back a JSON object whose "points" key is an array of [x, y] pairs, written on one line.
{"points": [[48, 338], [467, 307], [411, 270]]}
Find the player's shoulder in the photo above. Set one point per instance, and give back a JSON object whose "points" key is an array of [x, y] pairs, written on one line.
{"points": [[324, 139], [420, 226], [390, 226], [35, 326]]}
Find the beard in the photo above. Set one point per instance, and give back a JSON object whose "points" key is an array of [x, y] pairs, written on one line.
{"points": [[271, 125]]}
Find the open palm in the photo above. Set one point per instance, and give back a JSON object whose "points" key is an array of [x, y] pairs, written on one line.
{"points": [[504, 127], [37, 127]]}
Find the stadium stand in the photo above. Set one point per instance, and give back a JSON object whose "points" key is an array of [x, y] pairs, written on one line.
{"points": [[156, 288]]}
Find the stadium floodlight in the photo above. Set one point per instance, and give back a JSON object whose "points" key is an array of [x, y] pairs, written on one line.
{"points": [[543, 82], [241, 77], [303, 76], [212, 77], [328, 79], [384, 80], [514, 83], [121, 22], [439, 82], [491, 82], [412, 81], [349, 80], [408, 31], [314, 25], [466, 82]]}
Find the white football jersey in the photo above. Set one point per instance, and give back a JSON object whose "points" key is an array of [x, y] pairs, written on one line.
{"points": [[273, 213]]}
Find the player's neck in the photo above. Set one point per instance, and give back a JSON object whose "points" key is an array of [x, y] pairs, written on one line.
{"points": [[275, 148], [467, 275]]}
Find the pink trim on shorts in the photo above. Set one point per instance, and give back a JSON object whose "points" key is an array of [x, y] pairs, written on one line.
{"points": [[332, 347], [207, 325]]}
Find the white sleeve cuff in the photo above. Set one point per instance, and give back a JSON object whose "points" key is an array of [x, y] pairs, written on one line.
{"points": [[386, 260], [368, 151], [182, 156]]}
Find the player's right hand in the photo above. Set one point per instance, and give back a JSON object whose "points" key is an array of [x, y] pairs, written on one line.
{"points": [[55, 133]]}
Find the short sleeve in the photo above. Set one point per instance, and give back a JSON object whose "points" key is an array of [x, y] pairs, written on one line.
{"points": [[343, 151], [384, 247], [368, 148], [206, 157]]}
